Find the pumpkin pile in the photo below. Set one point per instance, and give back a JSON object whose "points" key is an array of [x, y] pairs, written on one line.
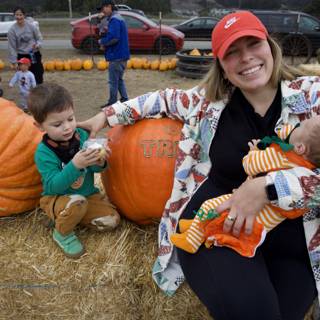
{"points": [[144, 63], [195, 52], [20, 182], [102, 64], [140, 170]]}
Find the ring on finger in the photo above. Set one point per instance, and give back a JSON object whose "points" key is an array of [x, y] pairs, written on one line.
{"points": [[232, 219]]}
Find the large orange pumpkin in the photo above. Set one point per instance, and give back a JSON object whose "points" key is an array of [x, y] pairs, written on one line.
{"points": [[20, 183], [140, 170]]}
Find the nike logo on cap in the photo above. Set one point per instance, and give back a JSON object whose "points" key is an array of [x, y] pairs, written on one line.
{"points": [[230, 22]]}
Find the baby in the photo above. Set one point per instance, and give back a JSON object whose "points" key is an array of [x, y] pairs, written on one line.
{"points": [[300, 148]]}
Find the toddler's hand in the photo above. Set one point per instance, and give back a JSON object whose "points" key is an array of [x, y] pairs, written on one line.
{"points": [[86, 158], [14, 66], [253, 144]]}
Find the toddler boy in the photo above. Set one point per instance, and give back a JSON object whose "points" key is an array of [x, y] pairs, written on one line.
{"points": [[25, 80], [69, 196]]}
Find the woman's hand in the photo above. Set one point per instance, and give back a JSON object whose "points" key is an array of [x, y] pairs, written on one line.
{"points": [[94, 124], [244, 205]]}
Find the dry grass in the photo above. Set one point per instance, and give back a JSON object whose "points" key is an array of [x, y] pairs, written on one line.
{"points": [[111, 281]]}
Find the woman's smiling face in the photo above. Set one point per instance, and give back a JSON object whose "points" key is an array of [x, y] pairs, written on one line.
{"points": [[19, 16], [248, 63]]}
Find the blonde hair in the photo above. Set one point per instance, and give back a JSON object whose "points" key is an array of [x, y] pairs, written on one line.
{"points": [[217, 87], [313, 145]]}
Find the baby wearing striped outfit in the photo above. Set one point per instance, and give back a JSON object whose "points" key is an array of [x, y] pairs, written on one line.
{"points": [[294, 146]]}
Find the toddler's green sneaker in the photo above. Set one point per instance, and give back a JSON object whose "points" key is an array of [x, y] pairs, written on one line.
{"points": [[69, 244]]}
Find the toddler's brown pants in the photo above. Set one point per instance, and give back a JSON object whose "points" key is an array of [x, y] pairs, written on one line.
{"points": [[94, 211]]}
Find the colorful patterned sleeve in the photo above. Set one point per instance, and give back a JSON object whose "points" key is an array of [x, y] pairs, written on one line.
{"points": [[297, 187], [173, 103]]}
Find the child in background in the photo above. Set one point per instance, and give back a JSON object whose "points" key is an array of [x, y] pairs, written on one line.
{"points": [[67, 170], [301, 147], [25, 80]]}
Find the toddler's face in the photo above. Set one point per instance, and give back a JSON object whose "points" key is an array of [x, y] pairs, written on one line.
{"points": [[23, 67], [60, 126]]}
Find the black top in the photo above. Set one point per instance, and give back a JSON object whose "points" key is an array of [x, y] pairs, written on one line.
{"points": [[238, 125]]}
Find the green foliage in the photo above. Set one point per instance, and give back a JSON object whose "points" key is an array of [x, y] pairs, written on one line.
{"points": [[313, 8], [150, 6], [251, 4]]}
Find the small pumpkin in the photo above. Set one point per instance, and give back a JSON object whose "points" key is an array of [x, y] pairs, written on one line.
{"points": [[67, 65], [137, 63], [76, 64], [1, 64], [195, 52], [87, 64], [50, 65], [129, 64], [102, 64], [146, 64], [174, 63], [140, 170], [20, 182], [59, 65], [155, 65], [164, 65]]}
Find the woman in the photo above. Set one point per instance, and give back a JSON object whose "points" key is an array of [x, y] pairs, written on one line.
{"points": [[243, 97], [24, 41]]}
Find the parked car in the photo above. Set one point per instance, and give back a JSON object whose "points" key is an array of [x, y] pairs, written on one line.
{"points": [[7, 20], [144, 34], [298, 32], [197, 28], [124, 7]]}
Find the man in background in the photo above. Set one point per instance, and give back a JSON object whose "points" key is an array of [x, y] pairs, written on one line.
{"points": [[115, 42]]}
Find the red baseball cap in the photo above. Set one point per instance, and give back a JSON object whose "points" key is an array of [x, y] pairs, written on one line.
{"points": [[24, 61], [234, 26]]}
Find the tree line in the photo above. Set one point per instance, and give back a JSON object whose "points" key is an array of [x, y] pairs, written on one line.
{"points": [[82, 6], [154, 6]]}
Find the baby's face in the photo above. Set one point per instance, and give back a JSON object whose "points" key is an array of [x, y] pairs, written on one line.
{"points": [[302, 133], [60, 126]]}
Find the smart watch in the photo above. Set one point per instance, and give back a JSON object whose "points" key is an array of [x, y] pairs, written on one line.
{"points": [[271, 190]]}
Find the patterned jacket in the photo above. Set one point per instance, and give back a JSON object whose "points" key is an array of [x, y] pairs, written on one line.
{"points": [[296, 187]]}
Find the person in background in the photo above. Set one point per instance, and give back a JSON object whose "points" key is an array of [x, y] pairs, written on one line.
{"points": [[25, 80], [24, 41], [67, 170], [249, 93], [116, 46]]}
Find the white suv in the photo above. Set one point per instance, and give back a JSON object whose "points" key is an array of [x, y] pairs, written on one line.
{"points": [[7, 20], [127, 8]]}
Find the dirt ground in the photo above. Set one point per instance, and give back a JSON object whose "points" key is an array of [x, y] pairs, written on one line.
{"points": [[89, 88]]}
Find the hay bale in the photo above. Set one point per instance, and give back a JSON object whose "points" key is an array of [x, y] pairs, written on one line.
{"points": [[111, 281]]}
